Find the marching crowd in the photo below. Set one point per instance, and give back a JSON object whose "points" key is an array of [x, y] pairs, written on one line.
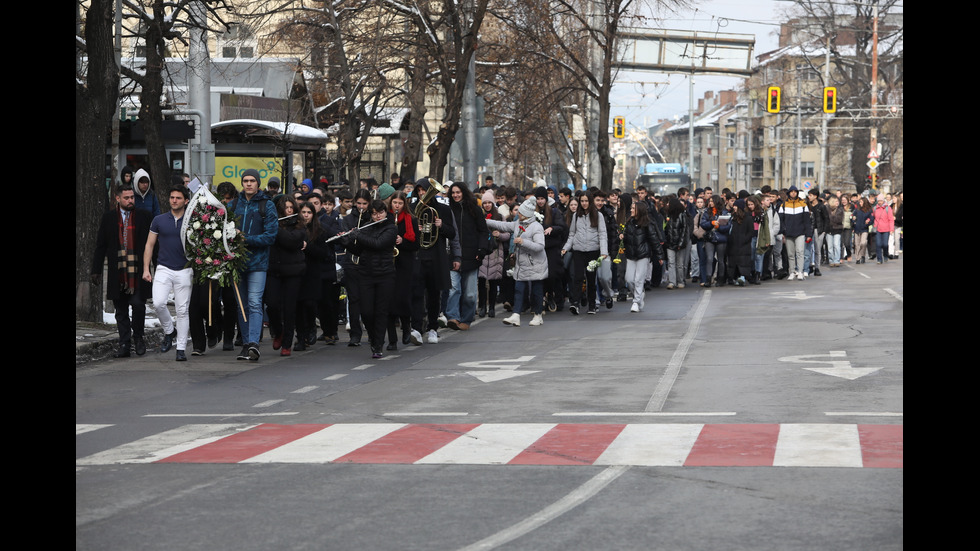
{"points": [[399, 260]]}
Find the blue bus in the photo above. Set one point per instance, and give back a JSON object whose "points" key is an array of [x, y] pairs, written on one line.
{"points": [[662, 178]]}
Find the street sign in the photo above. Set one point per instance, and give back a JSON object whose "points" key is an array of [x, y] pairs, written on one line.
{"points": [[873, 164], [873, 154]]}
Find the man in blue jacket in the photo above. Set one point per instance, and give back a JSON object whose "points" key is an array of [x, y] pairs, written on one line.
{"points": [[257, 218]]}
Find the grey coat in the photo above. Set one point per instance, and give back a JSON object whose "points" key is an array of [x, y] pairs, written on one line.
{"points": [[583, 237], [532, 260]]}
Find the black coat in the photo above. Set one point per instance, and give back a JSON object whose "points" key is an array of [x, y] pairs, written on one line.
{"points": [[740, 246], [446, 250], [641, 242], [374, 248], [474, 237], [107, 247], [286, 258]]}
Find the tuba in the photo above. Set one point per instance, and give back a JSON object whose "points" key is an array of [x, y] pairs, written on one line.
{"points": [[427, 215]]}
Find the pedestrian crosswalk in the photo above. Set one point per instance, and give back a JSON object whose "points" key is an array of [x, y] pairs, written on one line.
{"points": [[649, 444]]}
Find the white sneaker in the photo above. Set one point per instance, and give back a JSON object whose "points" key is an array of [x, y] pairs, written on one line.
{"points": [[680, 285], [443, 322], [670, 285], [513, 319], [802, 275], [536, 320], [791, 277], [416, 338], [635, 308], [433, 337]]}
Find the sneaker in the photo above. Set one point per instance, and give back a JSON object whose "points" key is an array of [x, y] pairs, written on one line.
{"points": [[433, 336], [513, 319], [253, 351], [680, 285], [591, 311], [197, 352], [243, 355], [609, 303], [415, 337], [573, 309], [285, 352], [442, 320], [801, 275], [180, 356], [740, 282], [792, 276], [536, 320], [670, 286], [376, 355], [635, 308]]}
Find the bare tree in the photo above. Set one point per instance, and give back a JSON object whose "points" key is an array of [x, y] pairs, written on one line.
{"points": [[96, 93], [850, 28]]}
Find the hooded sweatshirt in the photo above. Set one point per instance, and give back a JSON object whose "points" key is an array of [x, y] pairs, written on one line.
{"points": [[148, 200]]}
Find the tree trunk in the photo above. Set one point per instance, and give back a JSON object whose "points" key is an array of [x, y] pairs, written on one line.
{"points": [[95, 103], [151, 113]]}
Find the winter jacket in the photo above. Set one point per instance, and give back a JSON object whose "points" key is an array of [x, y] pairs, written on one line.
{"points": [[719, 234], [532, 260], [286, 256], [640, 242], [863, 220], [836, 220], [374, 249], [820, 216], [795, 219], [260, 225], [146, 201], [473, 237], [583, 237], [677, 231], [884, 219], [492, 267]]}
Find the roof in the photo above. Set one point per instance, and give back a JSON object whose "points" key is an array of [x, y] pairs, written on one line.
{"points": [[268, 130]]}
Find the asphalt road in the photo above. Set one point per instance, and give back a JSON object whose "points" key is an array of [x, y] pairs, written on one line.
{"points": [[765, 417]]}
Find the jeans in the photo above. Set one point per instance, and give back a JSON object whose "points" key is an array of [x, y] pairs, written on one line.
{"points": [[536, 298], [756, 257], [711, 251], [881, 240], [833, 247], [251, 289], [461, 305]]}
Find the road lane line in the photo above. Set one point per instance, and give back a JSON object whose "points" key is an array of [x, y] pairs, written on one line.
{"points": [[609, 474]]}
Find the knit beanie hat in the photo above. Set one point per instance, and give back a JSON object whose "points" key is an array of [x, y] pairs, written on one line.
{"points": [[254, 173], [385, 191], [488, 197], [528, 208]]}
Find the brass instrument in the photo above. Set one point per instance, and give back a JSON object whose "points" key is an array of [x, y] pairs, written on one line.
{"points": [[427, 215]]}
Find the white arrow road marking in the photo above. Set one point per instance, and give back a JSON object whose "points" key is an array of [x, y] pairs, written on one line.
{"points": [[838, 368], [505, 369]]}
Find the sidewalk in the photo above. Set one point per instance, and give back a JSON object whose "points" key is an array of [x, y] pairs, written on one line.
{"points": [[98, 341]]}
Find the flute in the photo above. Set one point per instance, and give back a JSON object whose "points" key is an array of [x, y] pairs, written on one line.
{"points": [[338, 236]]}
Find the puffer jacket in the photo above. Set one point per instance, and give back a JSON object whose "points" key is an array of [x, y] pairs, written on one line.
{"points": [[640, 242], [492, 267], [719, 234], [678, 232], [260, 229], [374, 248], [862, 220], [532, 260], [583, 237]]}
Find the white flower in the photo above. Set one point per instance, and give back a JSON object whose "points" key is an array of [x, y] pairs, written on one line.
{"points": [[197, 225], [217, 234]]}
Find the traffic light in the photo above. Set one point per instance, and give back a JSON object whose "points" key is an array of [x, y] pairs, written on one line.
{"points": [[830, 99], [619, 127], [772, 99]]}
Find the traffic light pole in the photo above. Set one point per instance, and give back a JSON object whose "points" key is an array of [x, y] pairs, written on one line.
{"points": [[822, 179]]}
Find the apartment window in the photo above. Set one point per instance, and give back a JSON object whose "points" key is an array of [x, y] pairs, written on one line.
{"points": [[228, 51], [807, 170], [808, 137]]}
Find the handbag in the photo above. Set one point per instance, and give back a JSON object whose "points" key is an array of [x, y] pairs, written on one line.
{"points": [[699, 232]]}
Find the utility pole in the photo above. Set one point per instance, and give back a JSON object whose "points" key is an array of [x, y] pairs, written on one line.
{"points": [[874, 91]]}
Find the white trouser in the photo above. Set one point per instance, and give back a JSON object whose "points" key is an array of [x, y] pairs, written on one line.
{"points": [[636, 275], [166, 280]]}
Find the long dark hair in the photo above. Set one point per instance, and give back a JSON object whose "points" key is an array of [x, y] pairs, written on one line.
{"points": [[642, 217], [592, 212], [313, 229], [623, 213], [281, 208], [468, 203]]}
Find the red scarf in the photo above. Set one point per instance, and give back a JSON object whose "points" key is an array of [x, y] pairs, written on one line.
{"points": [[403, 216]]}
